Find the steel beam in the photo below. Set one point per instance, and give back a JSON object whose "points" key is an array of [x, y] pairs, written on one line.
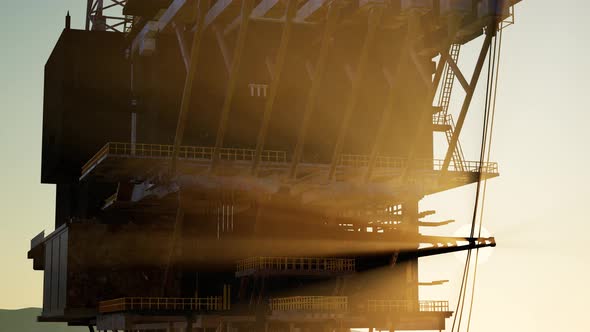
{"points": [[269, 67], [435, 223], [385, 118], [187, 91], [233, 78], [309, 8], [430, 98], [264, 7], [458, 74], [166, 19], [374, 20], [176, 235], [318, 73], [232, 26], [258, 12], [426, 77], [223, 48], [88, 11], [274, 86], [467, 102], [171, 12], [474, 243], [181, 45], [219, 7]]}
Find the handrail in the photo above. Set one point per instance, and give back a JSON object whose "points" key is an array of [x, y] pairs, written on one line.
{"points": [[310, 303], [191, 152], [441, 119], [353, 160], [317, 264], [237, 154], [407, 306], [212, 303], [185, 152]]}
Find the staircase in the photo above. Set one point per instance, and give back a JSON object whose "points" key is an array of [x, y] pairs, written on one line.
{"points": [[441, 117], [458, 156]]}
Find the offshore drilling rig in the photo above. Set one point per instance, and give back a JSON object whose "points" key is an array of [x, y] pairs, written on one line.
{"points": [[254, 164]]}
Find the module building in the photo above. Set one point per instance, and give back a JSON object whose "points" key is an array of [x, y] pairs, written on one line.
{"points": [[254, 164]]}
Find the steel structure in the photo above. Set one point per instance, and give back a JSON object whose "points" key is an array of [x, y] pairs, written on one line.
{"points": [[107, 15], [255, 164]]}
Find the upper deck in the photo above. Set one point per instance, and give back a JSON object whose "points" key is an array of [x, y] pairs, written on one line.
{"points": [[117, 162]]}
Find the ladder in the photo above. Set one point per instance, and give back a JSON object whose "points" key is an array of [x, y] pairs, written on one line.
{"points": [[458, 155], [444, 102]]}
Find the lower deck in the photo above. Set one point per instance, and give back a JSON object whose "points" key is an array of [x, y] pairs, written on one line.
{"points": [[287, 314]]}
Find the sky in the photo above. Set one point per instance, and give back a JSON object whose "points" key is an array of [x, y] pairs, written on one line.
{"points": [[535, 280]]}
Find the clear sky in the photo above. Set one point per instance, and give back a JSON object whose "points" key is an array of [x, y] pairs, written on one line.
{"points": [[536, 279]]}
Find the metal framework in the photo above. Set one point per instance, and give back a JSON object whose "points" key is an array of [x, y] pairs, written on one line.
{"points": [[161, 304], [304, 264], [105, 15], [310, 303], [259, 211], [407, 306]]}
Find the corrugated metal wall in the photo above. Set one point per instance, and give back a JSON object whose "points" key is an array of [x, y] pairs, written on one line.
{"points": [[56, 272]]}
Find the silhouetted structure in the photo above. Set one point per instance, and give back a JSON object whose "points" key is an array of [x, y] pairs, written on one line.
{"points": [[254, 165]]}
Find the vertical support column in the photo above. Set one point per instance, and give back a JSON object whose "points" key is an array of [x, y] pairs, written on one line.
{"points": [[274, 86], [133, 114], [174, 251], [226, 304], [387, 111], [189, 323], [333, 12], [133, 132], [87, 27], [425, 113], [374, 20], [410, 218], [181, 45], [247, 6]]}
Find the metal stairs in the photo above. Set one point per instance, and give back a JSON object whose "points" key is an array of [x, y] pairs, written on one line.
{"points": [[441, 117]]}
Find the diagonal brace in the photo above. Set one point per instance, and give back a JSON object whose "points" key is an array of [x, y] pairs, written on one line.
{"points": [[274, 86], [333, 13], [374, 20], [467, 102], [233, 79]]}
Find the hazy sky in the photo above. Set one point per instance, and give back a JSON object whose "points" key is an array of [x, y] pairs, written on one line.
{"points": [[536, 279]]}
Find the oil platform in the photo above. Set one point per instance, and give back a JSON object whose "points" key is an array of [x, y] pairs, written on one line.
{"points": [[254, 165]]}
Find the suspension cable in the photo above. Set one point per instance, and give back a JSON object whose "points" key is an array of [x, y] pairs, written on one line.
{"points": [[489, 148], [490, 78], [484, 144]]}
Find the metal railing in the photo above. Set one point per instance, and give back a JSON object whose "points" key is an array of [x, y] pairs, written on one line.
{"points": [[508, 21], [297, 264], [441, 119], [468, 166], [361, 160], [407, 306], [310, 303], [213, 303], [205, 153], [352, 160], [185, 152]]}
